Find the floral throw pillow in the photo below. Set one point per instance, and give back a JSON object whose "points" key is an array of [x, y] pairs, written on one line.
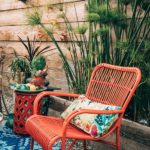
{"points": [[94, 124]]}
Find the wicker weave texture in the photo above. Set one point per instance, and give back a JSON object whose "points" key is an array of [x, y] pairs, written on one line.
{"points": [[109, 84]]}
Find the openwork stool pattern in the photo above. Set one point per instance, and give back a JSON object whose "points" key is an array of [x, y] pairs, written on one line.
{"points": [[23, 109]]}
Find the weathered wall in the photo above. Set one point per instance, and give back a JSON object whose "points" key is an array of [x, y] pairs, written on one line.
{"points": [[13, 24]]}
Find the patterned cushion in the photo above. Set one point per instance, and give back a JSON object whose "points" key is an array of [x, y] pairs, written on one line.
{"points": [[94, 124]]}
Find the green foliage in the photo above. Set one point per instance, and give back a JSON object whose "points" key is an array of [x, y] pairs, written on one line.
{"points": [[32, 49], [113, 37], [20, 65], [82, 29], [9, 120], [38, 63], [23, 63], [105, 15], [91, 17], [102, 31], [126, 2], [34, 17]]}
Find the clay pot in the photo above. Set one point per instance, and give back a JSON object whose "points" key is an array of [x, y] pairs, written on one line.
{"points": [[38, 81]]}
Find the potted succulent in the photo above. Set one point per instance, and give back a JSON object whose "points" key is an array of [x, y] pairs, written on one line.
{"points": [[39, 71], [21, 65]]}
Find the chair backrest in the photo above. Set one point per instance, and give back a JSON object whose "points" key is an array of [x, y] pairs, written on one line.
{"points": [[113, 85]]}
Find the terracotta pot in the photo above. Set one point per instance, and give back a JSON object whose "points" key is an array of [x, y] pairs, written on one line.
{"points": [[38, 81]]}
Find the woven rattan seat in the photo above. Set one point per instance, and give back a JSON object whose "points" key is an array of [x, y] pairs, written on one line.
{"points": [[109, 84]]}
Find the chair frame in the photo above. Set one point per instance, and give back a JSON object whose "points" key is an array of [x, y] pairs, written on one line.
{"points": [[115, 127]]}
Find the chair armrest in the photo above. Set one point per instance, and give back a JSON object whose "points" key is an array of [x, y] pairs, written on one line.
{"points": [[49, 93], [91, 111], [87, 111]]}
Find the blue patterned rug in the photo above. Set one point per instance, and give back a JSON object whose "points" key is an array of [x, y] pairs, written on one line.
{"points": [[11, 141]]}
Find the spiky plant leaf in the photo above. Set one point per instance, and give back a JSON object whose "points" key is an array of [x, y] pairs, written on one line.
{"points": [[92, 17], [81, 29], [38, 63], [34, 17]]}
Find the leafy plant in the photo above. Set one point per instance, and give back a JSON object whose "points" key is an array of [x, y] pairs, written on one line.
{"points": [[18, 66], [130, 45], [24, 63], [38, 63], [32, 49]]}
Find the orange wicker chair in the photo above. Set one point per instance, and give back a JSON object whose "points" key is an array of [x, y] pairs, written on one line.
{"points": [[109, 84]]}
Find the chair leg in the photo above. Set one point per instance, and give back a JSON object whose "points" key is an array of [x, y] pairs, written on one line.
{"points": [[84, 144], [31, 144], [63, 144], [118, 138]]}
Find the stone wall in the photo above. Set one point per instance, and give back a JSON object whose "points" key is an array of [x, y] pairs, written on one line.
{"points": [[13, 24]]}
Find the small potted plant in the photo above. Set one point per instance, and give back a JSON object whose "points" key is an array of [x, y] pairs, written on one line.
{"points": [[39, 71]]}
